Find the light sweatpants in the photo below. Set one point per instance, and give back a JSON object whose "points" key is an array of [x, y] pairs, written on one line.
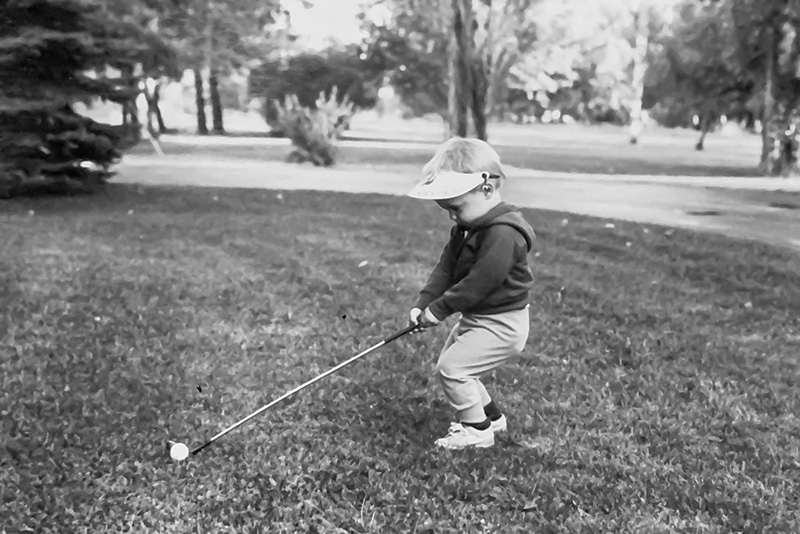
{"points": [[476, 345]]}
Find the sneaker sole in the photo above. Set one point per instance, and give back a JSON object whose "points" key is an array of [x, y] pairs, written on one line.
{"points": [[484, 445]]}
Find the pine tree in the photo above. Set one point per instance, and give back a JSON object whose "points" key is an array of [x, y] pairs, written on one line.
{"points": [[54, 54]]}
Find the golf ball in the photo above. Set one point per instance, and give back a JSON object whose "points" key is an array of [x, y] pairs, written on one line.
{"points": [[179, 451]]}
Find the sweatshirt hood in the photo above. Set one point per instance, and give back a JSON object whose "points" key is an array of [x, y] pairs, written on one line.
{"points": [[509, 215]]}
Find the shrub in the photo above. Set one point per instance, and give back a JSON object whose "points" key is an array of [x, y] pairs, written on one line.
{"points": [[305, 76], [314, 131]]}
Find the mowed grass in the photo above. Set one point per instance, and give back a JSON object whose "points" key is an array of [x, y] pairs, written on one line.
{"points": [[556, 148], [659, 391]]}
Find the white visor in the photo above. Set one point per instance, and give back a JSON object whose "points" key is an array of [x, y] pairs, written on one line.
{"points": [[447, 184]]}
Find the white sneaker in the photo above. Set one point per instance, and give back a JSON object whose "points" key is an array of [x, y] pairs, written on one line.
{"points": [[500, 425], [461, 437]]}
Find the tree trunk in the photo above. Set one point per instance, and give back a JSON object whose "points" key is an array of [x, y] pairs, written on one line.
{"points": [[126, 110], [479, 92], [779, 128], [496, 90], [200, 101], [493, 106], [150, 131], [153, 110], [641, 17], [460, 94], [705, 127], [482, 66], [216, 103], [155, 104], [130, 111], [772, 157]]}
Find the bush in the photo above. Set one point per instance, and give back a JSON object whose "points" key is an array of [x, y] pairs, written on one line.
{"points": [[305, 76], [314, 131]]}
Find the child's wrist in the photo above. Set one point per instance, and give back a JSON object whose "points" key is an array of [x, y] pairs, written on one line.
{"points": [[430, 317]]}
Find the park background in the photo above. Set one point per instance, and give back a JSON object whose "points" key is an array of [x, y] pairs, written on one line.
{"points": [[311, 69]]}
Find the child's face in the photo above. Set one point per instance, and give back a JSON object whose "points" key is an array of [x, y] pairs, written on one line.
{"points": [[466, 208]]}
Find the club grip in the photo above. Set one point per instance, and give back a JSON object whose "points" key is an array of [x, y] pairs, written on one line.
{"points": [[401, 333]]}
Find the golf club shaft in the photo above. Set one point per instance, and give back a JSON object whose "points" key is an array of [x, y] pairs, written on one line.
{"points": [[305, 385]]}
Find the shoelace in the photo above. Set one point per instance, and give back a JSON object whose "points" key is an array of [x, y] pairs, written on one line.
{"points": [[456, 429]]}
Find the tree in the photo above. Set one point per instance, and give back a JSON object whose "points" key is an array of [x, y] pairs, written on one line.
{"points": [[54, 54], [417, 43], [774, 30], [506, 32], [581, 60], [740, 57], [590, 60], [409, 42], [157, 62], [309, 74], [701, 71], [215, 38], [641, 23]]}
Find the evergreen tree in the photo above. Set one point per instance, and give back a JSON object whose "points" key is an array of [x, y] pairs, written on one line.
{"points": [[54, 54]]}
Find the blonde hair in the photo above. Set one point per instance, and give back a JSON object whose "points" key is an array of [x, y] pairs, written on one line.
{"points": [[467, 155]]}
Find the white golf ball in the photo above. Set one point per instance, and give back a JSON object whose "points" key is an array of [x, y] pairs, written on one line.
{"points": [[179, 451]]}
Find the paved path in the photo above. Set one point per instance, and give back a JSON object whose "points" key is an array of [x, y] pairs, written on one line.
{"points": [[767, 210]]}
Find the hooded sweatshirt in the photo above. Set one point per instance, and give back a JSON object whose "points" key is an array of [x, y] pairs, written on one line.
{"points": [[483, 268]]}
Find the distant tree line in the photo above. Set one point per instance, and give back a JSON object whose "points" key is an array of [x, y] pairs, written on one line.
{"points": [[679, 60], [684, 62]]}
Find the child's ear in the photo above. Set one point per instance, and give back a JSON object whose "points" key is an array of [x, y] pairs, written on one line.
{"points": [[488, 186]]}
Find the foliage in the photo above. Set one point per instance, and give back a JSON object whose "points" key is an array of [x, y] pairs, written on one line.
{"points": [[581, 63], [701, 69], [737, 57], [652, 397], [156, 55], [307, 75], [411, 38], [775, 29], [53, 54], [409, 42], [228, 34], [314, 131], [214, 38], [417, 74]]}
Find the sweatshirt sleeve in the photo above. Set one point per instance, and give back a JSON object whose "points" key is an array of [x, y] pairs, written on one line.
{"points": [[493, 262], [439, 280]]}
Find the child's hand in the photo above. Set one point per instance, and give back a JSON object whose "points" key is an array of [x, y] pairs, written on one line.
{"points": [[413, 319], [413, 316], [422, 318]]}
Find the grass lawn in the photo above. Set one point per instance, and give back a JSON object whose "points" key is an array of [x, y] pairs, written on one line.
{"points": [[659, 391], [557, 148]]}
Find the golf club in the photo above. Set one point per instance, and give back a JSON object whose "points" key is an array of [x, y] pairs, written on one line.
{"points": [[179, 451]]}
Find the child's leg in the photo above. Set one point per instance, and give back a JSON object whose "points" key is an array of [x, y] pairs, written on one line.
{"points": [[491, 410], [485, 398], [451, 338], [478, 344]]}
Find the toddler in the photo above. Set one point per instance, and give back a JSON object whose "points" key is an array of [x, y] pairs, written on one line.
{"points": [[483, 275]]}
